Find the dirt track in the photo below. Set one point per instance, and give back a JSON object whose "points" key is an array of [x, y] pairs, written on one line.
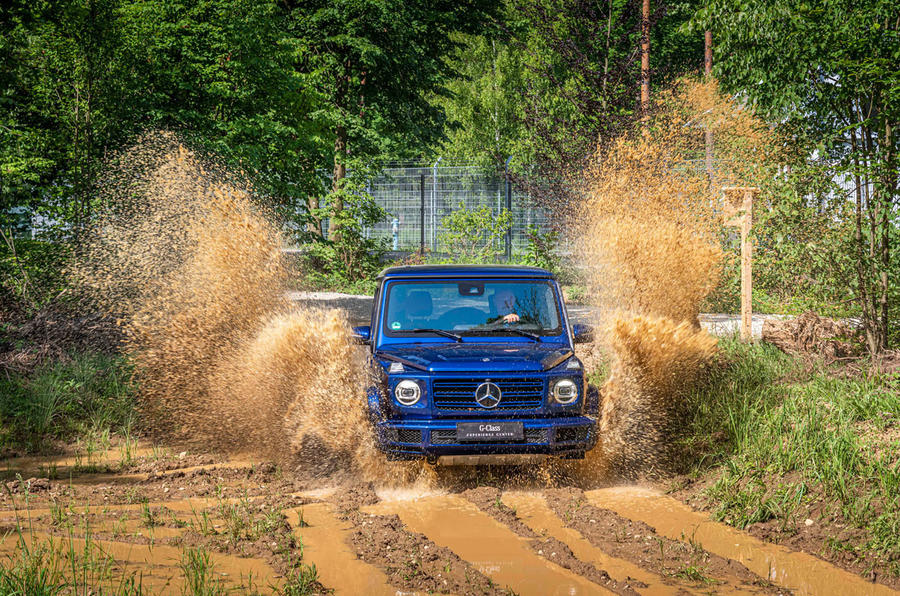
{"points": [[253, 519], [359, 309]]}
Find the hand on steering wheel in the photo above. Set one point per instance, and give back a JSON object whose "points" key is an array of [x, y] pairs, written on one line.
{"points": [[511, 318]]}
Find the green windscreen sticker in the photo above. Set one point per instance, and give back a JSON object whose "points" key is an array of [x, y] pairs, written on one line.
{"points": [[395, 325]]}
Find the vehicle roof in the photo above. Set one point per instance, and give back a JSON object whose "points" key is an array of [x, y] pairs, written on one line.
{"points": [[466, 271]]}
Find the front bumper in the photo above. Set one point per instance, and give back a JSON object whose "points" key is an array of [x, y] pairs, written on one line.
{"points": [[570, 435]]}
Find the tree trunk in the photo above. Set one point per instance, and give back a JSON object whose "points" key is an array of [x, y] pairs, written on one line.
{"points": [[338, 175], [315, 225], [888, 190], [862, 276]]}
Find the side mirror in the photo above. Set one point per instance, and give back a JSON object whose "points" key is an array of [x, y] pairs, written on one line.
{"points": [[362, 334], [582, 334]]}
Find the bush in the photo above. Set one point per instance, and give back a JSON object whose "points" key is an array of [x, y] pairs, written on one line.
{"points": [[349, 260], [32, 272], [541, 251], [475, 235], [65, 398]]}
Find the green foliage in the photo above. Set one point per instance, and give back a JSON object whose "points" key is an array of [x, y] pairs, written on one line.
{"points": [[475, 235], [541, 251], [81, 395], [782, 445], [483, 107], [837, 98], [347, 260], [31, 272]]}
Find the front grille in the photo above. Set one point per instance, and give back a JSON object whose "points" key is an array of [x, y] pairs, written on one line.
{"points": [[516, 394], [572, 433], [401, 435], [409, 435], [448, 437]]}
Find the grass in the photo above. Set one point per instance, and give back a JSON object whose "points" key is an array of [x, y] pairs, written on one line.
{"points": [[783, 442], [82, 398], [43, 565], [199, 574], [302, 581]]}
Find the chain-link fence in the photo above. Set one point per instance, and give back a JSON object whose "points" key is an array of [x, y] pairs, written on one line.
{"points": [[418, 198]]}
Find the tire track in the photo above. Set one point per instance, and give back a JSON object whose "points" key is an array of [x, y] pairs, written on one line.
{"points": [[533, 510], [489, 501], [798, 571], [639, 543], [407, 556], [455, 523], [325, 542]]}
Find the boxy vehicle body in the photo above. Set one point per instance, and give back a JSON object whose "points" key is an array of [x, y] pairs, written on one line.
{"points": [[476, 361]]}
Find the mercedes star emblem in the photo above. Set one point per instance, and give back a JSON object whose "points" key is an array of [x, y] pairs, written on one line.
{"points": [[487, 395]]}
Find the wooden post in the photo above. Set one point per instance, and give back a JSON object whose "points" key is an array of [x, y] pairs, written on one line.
{"points": [[707, 69], [645, 57], [738, 212]]}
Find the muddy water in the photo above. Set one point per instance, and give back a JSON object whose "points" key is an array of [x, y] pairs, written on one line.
{"points": [[492, 548], [157, 566], [532, 509], [797, 571], [448, 520], [191, 264], [325, 544]]}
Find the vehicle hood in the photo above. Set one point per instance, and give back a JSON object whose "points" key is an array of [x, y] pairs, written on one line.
{"points": [[475, 357]]}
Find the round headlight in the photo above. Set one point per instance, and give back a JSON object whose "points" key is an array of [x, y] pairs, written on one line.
{"points": [[407, 392], [565, 391]]}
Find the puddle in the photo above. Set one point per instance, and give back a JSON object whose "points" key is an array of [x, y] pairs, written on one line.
{"points": [[62, 464], [532, 509], [182, 505], [158, 567], [489, 546], [800, 572], [325, 545]]}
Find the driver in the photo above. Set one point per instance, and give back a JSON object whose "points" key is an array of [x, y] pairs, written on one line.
{"points": [[504, 303]]}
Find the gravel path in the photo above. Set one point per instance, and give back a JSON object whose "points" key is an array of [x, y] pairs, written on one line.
{"points": [[359, 309]]}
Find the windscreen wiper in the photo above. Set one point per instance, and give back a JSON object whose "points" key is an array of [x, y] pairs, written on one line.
{"points": [[533, 336], [453, 336]]}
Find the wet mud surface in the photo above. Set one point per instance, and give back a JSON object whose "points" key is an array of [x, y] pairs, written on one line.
{"points": [[260, 524]]}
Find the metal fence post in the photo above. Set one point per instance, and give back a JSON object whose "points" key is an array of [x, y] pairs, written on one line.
{"points": [[434, 172], [508, 209], [421, 214]]}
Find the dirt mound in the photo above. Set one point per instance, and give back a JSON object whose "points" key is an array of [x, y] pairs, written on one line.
{"points": [[810, 334]]}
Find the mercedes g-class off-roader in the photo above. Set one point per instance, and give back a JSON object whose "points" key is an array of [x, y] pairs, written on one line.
{"points": [[478, 362]]}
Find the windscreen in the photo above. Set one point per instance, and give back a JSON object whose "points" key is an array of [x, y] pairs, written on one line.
{"points": [[472, 307]]}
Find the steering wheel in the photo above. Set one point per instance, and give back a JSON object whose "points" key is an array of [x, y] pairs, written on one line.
{"points": [[462, 315]]}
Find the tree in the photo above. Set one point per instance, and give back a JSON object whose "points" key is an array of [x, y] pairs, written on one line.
{"points": [[373, 65], [82, 78], [60, 108], [223, 74], [484, 104], [559, 78], [828, 71]]}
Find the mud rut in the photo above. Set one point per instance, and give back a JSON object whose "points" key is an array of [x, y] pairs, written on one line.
{"points": [[259, 524]]}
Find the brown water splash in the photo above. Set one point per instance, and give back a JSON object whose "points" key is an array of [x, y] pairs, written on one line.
{"points": [[651, 238], [193, 267]]}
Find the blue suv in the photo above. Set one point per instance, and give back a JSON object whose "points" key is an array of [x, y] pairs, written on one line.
{"points": [[476, 361]]}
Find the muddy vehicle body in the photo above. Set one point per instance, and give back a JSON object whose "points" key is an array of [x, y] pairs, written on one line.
{"points": [[475, 364]]}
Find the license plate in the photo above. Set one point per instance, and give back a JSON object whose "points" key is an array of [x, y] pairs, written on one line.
{"points": [[479, 432]]}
